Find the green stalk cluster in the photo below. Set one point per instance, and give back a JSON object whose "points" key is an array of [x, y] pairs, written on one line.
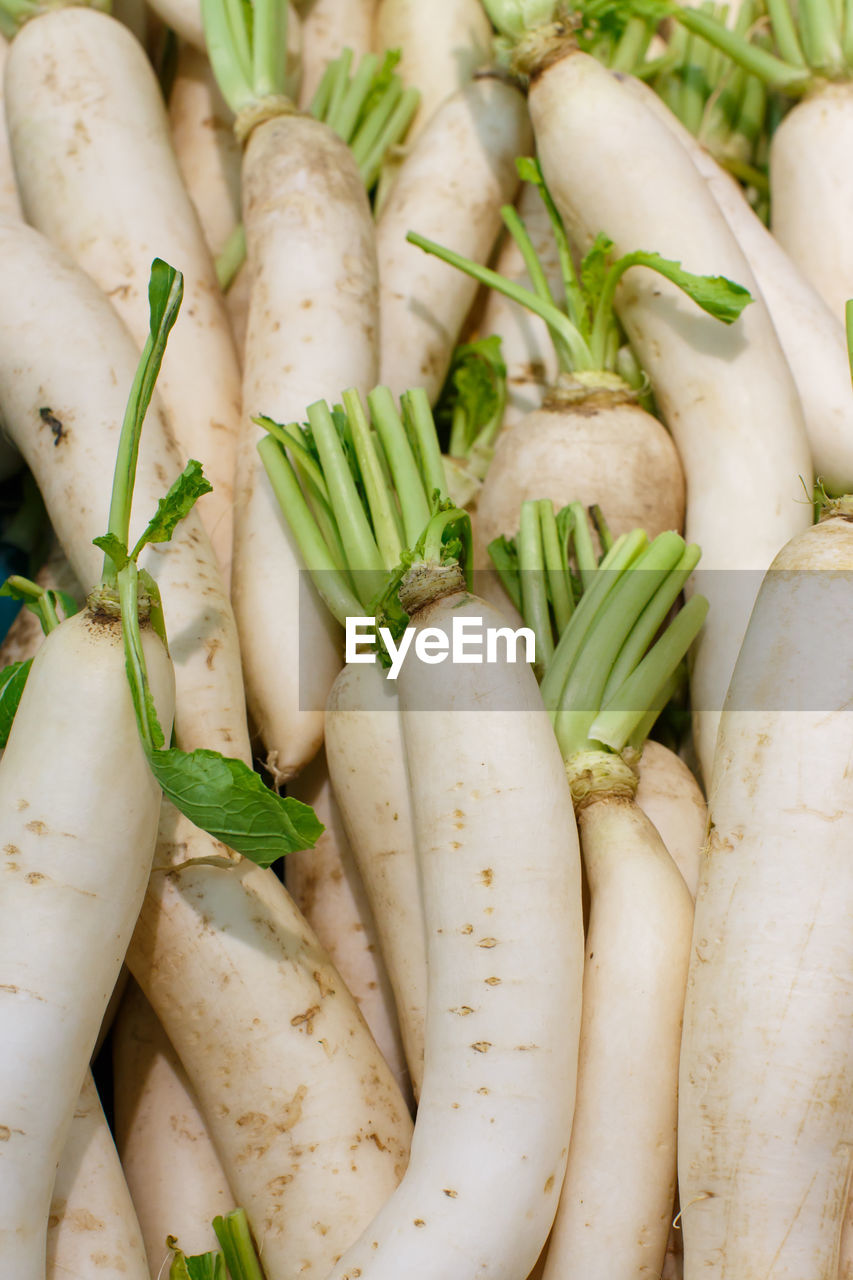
{"points": [[368, 109], [605, 667], [364, 492]]}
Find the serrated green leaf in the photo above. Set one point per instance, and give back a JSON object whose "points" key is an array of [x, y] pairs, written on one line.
{"points": [[190, 485], [112, 546], [593, 272], [12, 681], [226, 798], [720, 297]]}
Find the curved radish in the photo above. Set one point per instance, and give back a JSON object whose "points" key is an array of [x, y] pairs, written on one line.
{"points": [[173, 1173], [764, 1126], [326, 886], [727, 394], [64, 371], [207, 152], [305, 1114], [313, 323], [616, 1203], [501, 885], [811, 189], [97, 174], [85, 886], [811, 337], [672, 799], [92, 1228], [451, 185], [367, 767]]}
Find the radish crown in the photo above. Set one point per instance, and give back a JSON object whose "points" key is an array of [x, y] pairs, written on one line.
{"points": [[585, 331], [365, 495], [604, 676], [247, 44]]}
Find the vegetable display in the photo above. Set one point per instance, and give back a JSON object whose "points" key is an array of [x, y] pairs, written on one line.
{"points": [[426, 436]]}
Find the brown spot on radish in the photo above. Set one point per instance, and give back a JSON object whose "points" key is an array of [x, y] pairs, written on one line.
{"points": [[34, 877], [487, 876], [54, 1221], [37, 827], [481, 1046], [11, 849], [483, 1089], [467, 928], [323, 986], [211, 646], [463, 1010], [22, 804], [549, 1185], [493, 982], [487, 942], [419, 1222], [306, 1020], [449, 1192], [523, 1048], [83, 1220], [374, 1137]]}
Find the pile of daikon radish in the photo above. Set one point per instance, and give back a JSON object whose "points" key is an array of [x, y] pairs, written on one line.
{"points": [[531, 994]]}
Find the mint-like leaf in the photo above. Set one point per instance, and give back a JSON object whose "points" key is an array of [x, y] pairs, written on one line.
{"points": [[227, 799], [190, 485], [112, 546], [720, 297], [12, 681]]}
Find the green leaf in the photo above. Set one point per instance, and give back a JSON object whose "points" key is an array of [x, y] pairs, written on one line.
{"points": [[66, 602], [12, 681], [164, 300], [200, 1266], [112, 546], [226, 798], [720, 297], [593, 272], [190, 485]]}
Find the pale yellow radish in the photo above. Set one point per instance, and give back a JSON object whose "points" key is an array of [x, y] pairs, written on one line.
{"points": [[310, 1125], [98, 176], [173, 1173], [367, 766], [450, 187], [92, 1228], [326, 885]]}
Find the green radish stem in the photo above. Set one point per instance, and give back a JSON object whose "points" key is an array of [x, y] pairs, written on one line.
{"points": [[604, 673], [586, 335]]}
